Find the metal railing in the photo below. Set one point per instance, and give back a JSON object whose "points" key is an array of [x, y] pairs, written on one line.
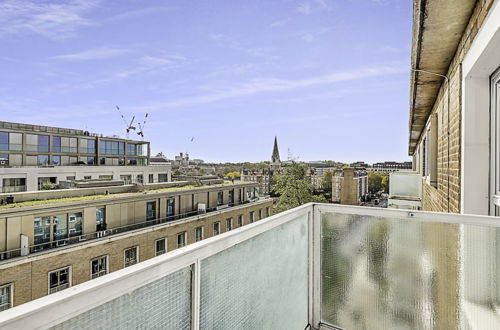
{"points": [[112, 231], [318, 266]]}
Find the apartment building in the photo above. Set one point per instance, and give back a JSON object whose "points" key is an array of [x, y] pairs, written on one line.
{"points": [[51, 246], [349, 186], [455, 88], [390, 166], [34, 155]]}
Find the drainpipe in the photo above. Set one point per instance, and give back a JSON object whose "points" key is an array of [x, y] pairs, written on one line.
{"points": [[448, 124]]}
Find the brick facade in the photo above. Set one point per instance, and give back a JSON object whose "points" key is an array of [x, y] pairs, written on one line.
{"points": [[446, 196]]}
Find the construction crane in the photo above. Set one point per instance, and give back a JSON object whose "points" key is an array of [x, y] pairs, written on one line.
{"points": [[141, 126], [129, 126]]}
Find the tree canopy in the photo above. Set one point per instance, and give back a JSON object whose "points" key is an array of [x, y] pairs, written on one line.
{"points": [[294, 188], [378, 182], [326, 180]]}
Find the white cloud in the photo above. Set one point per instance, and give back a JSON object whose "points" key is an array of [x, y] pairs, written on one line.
{"points": [[93, 54], [279, 22], [52, 20], [312, 6], [267, 85]]}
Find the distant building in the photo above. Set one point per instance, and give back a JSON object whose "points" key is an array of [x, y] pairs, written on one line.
{"points": [[360, 164], [181, 160], [349, 186], [388, 167], [33, 156]]}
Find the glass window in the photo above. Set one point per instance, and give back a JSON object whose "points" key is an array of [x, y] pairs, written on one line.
{"points": [[15, 141], [75, 224], [41, 230], [73, 143], [251, 217], [43, 143], [260, 214], [220, 198], [102, 161], [4, 141], [56, 160], [268, 211], [91, 161], [56, 144], [240, 193], [181, 239], [160, 246], [5, 296], [131, 161], [140, 178], [60, 227], [231, 197], [170, 207], [131, 256], [150, 211], [91, 146], [98, 267], [59, 280], [4, 159], [100, 218], [151, 178], [15, 159], [31, 142], [216, 228], [229, 224], [42, 160], [162, 177], [240, 220], [121, 148], [199, 233], [14, 185]]}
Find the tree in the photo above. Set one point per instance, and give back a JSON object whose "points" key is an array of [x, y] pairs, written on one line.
{"points": [[378, 182], [233, 175], [294, 188], [177, 172], [326, 180]]}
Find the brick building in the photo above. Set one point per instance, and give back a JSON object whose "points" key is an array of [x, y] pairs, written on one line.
{"points": [[52, 245], [455, 82]]}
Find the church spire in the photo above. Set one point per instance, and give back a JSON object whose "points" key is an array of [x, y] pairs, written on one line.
{"points": [[275, 158]]}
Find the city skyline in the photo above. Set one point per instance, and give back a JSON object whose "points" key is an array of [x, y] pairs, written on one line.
{"points": [[266, 70]]}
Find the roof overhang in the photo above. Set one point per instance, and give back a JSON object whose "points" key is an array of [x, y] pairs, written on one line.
{"points": [[438, 26]]}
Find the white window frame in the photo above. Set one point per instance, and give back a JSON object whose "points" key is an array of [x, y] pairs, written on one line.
{"points": [[11, 296], [184, 233], [70, 277], [242, 223], [137, 256], [202, 233], [251, 216], [495, 142], [230, 221], [106, 257], [157, 253], [218, 229]]}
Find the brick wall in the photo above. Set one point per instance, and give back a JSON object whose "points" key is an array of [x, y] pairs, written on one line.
{"points": [[30, 274], [446, 197]]}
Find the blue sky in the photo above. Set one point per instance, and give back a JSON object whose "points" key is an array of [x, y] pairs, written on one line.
{"points": [[330, 78]]}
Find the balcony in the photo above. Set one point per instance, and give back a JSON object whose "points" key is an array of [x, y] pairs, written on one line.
{"points": [[319, 266], [405, 190]]}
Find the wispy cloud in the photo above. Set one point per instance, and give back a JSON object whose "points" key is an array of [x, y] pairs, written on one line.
{"points": [[52, 20], [312, 6], [267, 85], [279, 23], [93, 54]]}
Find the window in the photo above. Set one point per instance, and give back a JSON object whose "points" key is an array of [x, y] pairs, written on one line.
{"points": [[87, 177], [170, 207], [181, 239], [260, 214], [220, 198], [199, 233], [100, 218], [251, 217], [216, 228], [42, 160], [56, 144], [38, 143], [162, 177], [59, 279], [151, 178], [231, 197], [240, 194], [4, 141], [75, 224], [268, 211], [41, 231], [229, 224], [131, 256], [87, 146], [160, 246], [98, 267], [14, 185], [131, 161], [140, 178], [60, 227], [106, 177], [127, 179], [56, 160], [91, 161], [150, 211], [6, 293]]}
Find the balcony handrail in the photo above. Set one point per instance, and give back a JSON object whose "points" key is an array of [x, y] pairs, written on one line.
{"points": [[53, 309], [70, 240]]}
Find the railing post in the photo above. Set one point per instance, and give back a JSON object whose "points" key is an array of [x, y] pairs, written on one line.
{"points": [[314, 217], [195, 295]]}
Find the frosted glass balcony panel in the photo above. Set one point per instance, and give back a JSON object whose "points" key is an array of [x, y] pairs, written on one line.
{"points": [[261, 283], [405, 184]]}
